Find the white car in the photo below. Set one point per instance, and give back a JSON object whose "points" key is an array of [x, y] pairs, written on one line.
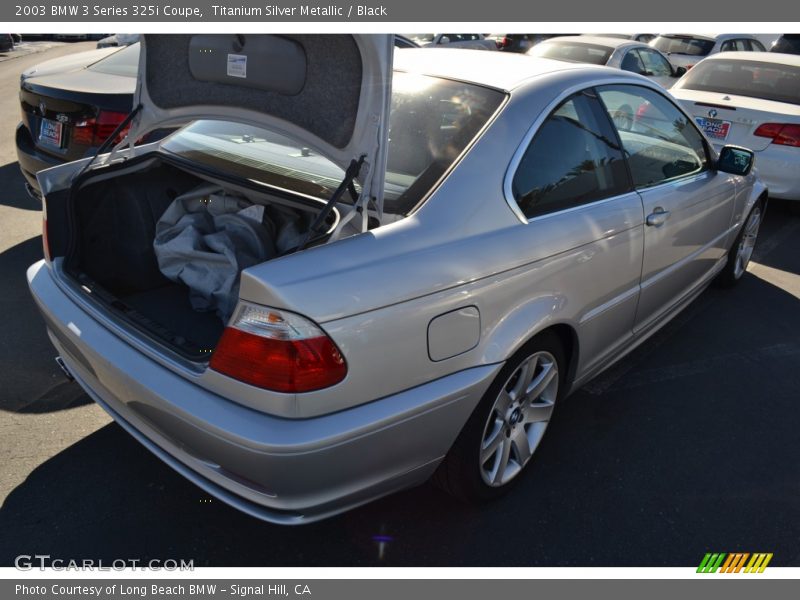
{"points": [[625, 54], [751, 99], [639, 37], [688, 49]]}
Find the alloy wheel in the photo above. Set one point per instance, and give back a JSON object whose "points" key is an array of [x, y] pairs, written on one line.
{"points": [[748, 242], [518, 419]]}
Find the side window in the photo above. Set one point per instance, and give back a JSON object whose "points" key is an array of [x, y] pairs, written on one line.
{"points": [[632, 62], [757, 46], [573, 159], [659, 140], [727, 46], [655, 63]]}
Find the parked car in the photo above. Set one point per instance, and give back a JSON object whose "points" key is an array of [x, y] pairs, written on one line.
{"points": [[432, 313], [401, 41], [521, 42], [688, 49], [118, 39], [618, 53], [473, 41], [645, 38], [788, 43], [73, 37], [751, 99], [6, 42], [70, 105]]}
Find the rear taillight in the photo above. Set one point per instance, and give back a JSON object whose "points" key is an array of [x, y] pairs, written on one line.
{"points": [[95, 131], [785, 134], [277, 350], [504, 42]]}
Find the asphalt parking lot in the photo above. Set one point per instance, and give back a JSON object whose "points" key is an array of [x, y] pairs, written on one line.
{"points": [[689, 445]]}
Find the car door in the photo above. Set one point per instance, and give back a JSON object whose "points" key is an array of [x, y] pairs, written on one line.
{"points": [[688, 206], [573, 190]]}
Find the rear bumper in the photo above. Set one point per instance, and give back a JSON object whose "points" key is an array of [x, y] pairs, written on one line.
{"points": [[279, 470], [31, 161], [778, 167]]}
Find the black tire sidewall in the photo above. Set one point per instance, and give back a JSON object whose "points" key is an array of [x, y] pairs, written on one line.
{"points": [[727, 277]]}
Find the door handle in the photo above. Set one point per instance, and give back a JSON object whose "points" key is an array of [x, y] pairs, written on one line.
{"points": [[658, 217]]}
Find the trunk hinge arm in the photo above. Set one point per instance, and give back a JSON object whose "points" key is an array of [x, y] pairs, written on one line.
{"points": [[347, 184], [105, 145]]}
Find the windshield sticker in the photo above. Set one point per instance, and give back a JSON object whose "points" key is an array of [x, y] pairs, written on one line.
{"points": [[237, 65]]}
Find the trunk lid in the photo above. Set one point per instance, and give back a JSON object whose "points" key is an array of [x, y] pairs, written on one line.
{"points": [[742, 114], [329, 92]]}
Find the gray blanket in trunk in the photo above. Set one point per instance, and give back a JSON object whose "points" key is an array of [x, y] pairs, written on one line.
{"points": [[205, 238]]}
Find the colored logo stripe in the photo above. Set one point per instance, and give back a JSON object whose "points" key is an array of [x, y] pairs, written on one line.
{"points": [[758, 563], [710, 563], [734, 562]]}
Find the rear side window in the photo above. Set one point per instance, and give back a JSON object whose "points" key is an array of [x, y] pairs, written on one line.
{"points": [[573, 159], [659, 140]]}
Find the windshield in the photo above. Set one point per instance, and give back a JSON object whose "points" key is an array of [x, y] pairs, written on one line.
{"points": [[431, 122], [124, 62], [573, 52], [675, 44], [768, 81]]}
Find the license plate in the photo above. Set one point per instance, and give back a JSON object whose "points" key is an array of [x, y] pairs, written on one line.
{"points": [[50, 133], [715, 129]]}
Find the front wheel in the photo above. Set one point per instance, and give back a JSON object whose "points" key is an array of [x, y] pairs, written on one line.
{"points": [[742, 251], [505, 429]]}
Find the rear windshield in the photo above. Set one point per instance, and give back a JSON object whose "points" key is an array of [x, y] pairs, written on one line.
{"points": [[768, 81], [573, 52], [673, 44], [124, 62], [789, 44], [431, 122]]}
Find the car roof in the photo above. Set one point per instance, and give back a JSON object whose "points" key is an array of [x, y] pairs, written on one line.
{"points": [[766, 57], [597, 40], [500, 70]]}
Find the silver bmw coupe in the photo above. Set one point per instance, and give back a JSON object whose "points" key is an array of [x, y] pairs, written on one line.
{"points": [[347, 273]]}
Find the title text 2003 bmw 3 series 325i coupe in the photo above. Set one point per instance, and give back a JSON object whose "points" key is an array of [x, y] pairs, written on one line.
{"points": [[326, 288]]}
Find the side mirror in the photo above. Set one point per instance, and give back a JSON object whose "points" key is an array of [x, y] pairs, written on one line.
{"points": [[679, 72], [735, 160]]}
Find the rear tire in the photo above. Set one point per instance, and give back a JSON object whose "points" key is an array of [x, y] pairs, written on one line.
{"points": [[502, 434], [742, 250]]}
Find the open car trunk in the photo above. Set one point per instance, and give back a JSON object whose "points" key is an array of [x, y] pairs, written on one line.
{"points": [[114, 255]]}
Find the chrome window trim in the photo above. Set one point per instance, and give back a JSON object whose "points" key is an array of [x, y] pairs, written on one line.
{"points": [[516, 159]]}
